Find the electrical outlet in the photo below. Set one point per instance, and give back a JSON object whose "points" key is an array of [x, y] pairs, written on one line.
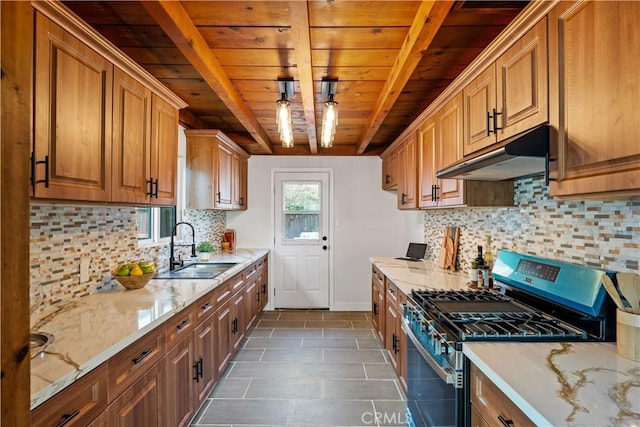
{"points": [[84, 269]]}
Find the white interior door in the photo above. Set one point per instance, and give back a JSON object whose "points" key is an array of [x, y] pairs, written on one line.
{"points": [[302, 239]]}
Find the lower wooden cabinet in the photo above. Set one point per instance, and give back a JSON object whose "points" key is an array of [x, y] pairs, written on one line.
{"points": [[378, 307], [490, 406], [76, 405], [142, 404], [163, 377]]}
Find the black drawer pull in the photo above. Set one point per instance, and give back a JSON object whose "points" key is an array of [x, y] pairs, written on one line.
{"points": [[375, 309], [196, 372], [206, 307], [505, 422], [201, 368], [143, 356], [68, 417], [182, 325], [150, 192]]}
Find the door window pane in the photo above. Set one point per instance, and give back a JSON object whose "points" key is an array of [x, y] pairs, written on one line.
{"points": [[301, 210]]}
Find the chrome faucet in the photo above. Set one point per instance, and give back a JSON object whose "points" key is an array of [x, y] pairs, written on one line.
{"points": [[173, 262]]}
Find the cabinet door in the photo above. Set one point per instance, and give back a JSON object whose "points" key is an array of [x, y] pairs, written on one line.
{"points": [[251, 296], [238, 181], [223, 177], [164, 151], [205, 341], [77, 404], [450, 192], [223, 321], [143, 403], [479, 99], [182, 373], [522, 85], [427, 137], [407, 190], [239, 328], [392, 335], [594, 58], [131, 175], [200, 172], [389, 181], [73, 109]]}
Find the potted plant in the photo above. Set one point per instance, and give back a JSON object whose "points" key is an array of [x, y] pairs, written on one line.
{"points": [[205, 248]]}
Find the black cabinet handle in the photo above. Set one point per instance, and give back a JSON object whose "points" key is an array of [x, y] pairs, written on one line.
{"points": [[258, 296], [143, 356], [150, 183], [505, 422], [387, 179], [489, 124], [67, 417], [155, 193], [375, 309], [201, 367], [403, 199], [196, 372], [436, 189], [182, 325], [234, 326], [495, 121], [264, 288], [218, 195], [206, 307], [34, 163]]}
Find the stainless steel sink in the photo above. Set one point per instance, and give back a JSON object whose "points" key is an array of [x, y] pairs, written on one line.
{"points": [[39, 342], [198, 270]]}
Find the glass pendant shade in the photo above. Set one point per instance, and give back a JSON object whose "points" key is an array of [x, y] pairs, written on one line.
{"points": [[329, 123], [283, 118]]}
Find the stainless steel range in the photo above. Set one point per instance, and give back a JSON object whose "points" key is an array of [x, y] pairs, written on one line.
{"points": [[539, 300]]}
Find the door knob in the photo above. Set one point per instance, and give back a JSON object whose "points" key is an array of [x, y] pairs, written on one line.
{"points": [[324, 247]]}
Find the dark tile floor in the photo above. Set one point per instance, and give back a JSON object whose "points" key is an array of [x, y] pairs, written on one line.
{"points": [[307, 368]]}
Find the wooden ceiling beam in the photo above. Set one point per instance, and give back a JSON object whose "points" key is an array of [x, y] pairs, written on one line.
{"points": [[190, 121], [428, 19], [175, 21], [300, 32]]}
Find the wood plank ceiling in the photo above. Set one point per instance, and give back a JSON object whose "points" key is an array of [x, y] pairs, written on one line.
{"points": [[391, 59]]}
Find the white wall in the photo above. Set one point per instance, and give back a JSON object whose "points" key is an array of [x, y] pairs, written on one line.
{"points": [[367, 222]]}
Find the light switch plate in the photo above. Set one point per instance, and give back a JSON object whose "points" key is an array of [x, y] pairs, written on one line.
{"points": [[84, 269]]}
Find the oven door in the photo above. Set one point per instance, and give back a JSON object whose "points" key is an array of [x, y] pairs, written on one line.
{"points": [[431, 400]]}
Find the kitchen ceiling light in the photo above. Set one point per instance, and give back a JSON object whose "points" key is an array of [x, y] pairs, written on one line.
{"points": [[330, 113], [283, 111]]}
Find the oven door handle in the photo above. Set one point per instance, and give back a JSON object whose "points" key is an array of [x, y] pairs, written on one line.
{"points": [[446, 374]]}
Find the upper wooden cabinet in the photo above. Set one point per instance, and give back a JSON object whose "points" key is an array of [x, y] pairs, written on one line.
{"points": [[510, 96], [105, 129], [594, 59], [407, 173], [164, 152], [389, 178], [440, 145], [216, 171], [72, 144]]}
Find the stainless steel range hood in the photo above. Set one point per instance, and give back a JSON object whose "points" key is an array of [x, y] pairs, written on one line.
{"points": [[522, 155]]}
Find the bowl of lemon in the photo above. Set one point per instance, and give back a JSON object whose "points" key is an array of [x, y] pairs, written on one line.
{"points": [[134, 275]]}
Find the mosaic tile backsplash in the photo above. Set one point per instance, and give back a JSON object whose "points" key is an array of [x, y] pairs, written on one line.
{"points": [[62, 234], [601, 234]]}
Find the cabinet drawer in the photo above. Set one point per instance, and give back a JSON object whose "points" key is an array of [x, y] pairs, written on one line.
{"points": [[262, 263], [377, 274], [250, 271], [237, 283], [180, 325], [392, 293], [204, 307], [131, 363], [492, 404], [78, 404]]}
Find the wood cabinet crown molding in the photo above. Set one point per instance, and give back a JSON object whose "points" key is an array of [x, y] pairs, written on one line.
{"points": [[215, 133], [524, 22], [70, 22]]}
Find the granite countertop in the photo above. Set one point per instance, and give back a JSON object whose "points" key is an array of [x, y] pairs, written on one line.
{"points": [[563, 384], [554, 384], [91, 329]]}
